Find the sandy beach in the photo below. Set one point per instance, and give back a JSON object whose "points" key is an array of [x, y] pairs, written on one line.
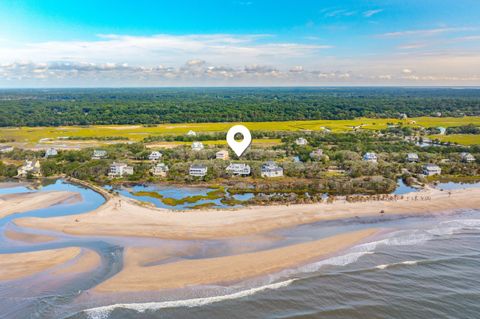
{"points": [[75, 260], [123, 217], [135, 277], [27, 237], [22, 202]]}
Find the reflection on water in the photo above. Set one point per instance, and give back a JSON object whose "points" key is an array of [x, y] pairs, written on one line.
{"points": [[453, 186]]}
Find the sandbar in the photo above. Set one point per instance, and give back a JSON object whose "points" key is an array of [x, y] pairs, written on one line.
{"points": [[120, 216], [136, 277], [22, 202]]}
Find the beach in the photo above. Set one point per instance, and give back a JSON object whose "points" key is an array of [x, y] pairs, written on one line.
{"points": [[74, 260], [222, 270], [125, 217], [22, 202]]}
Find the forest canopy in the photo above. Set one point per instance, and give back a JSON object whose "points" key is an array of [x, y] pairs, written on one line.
{"points": [[55, 107]]}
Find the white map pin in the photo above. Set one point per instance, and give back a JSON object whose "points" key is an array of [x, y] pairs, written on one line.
{"points": [[239, 147]]}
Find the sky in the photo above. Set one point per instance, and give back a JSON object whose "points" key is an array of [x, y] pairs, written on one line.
{"points": [[141, 43]]}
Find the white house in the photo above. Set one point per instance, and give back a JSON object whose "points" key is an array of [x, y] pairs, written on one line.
{"points": [[431, 169], [271, 169], [191, 133], [370, 157], [197, 146], [120, 169], [318, 153], [51, 152], [160, 170], [301, 141], [198, 170], [155, 156], [412, 157], [6, 148], [99, 154], [222, 155], [467, 157], [403, 116], [238, 169], [29, 167]]}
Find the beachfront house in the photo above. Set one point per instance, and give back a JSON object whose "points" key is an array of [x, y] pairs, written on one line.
{"points": [[191, 133], [160, 170], [271, 169], [370, 157], [51, 152], [198, 170], [316, 154], [197, 146], [29, 168], [467, 157], [238, 169], [431, 169], [155, 156], [301, 141], [222, 155], [99, 154], [119, 170], [6, 149], [412, 157]]}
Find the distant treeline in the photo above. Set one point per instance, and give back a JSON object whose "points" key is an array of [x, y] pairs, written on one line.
{"points": [[56, 107], [466, 129]]}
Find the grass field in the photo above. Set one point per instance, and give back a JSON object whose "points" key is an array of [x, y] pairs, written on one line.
{"points": [[465, 139], [138, 132]]}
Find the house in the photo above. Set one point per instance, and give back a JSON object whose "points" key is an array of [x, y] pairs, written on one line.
{"points": [[197, 146], [301, 141], [51, 152], [99, 154], [238, 169], [191, 133], [412, 157], [431, 169], [403, 116], [316, 154], [120, 169], [198, 170], [271, 169], [30, 167], [467, 157], [160, 170], [222, 155], [370, 157], [155, 156], [6, 148]]}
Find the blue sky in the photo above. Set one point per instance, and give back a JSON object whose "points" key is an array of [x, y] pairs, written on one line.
{"points": [[247, 42]]}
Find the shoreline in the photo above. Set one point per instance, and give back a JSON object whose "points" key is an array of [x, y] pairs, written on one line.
{"points": [[22, 202], [62, 261], [136, 277], [120, 216]]}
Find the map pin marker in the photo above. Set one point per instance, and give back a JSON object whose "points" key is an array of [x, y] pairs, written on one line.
{"points": [[239, 147]]}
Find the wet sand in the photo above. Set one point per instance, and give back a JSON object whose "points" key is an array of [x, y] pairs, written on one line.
{"points": [[22, 202], [27, 237], [75, 260], [136, 277], [120, 216]]}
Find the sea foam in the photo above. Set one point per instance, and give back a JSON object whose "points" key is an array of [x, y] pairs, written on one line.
{"points": [[104, 312]]}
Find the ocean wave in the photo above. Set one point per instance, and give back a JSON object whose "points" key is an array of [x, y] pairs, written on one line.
{"points": [[407, 262], [104, 312]]}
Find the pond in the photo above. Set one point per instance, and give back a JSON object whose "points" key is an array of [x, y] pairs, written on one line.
{"points": [[180, 198]]}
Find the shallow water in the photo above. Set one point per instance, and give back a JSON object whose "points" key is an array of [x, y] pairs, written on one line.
{"points": [[420, 267]]}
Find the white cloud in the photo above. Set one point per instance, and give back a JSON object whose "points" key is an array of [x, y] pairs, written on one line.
{"points": [[424, 32], [407, 71], [371, 13]]}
